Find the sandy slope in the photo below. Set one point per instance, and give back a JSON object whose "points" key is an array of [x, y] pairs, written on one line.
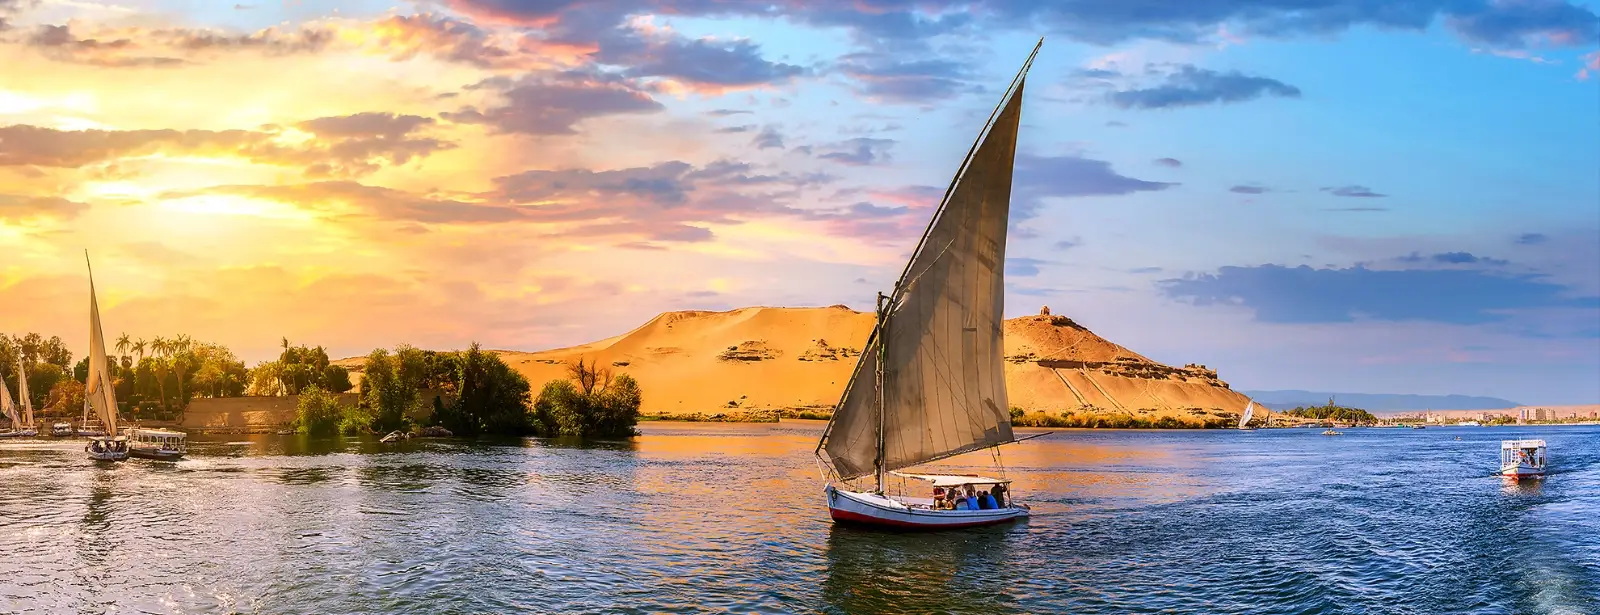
{"points": [[762, 360]]}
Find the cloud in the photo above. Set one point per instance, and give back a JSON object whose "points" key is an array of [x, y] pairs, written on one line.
{"points": [[1352, 191], [1452, 258], [1067, 244], [1041, 177], [728, 112], [1515, 24], [1190, 86], [719, 64], [343, 145], [1281, 294], [885, 77], [16, 208], [1532, 239], [769, 137], [860, 151], [554, 106], [1168, 162], [1249, 190], [1023, 267], [337, 198]]}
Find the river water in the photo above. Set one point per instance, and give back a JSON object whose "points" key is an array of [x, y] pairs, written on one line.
{"points": [[691, 518]]}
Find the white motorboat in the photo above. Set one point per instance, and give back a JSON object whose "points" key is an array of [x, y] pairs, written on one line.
{"points": [[158, 444], [61, 430], [99, 391], [930, 383], [1523, 459]]}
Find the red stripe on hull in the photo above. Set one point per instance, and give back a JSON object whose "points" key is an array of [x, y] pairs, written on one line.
{"points": [[845, 516]]}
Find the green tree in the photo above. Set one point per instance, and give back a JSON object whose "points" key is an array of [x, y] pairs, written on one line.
{"points": [[386, 391], [590, 403], [42, 377], [318, 412], [80, 372], [337, 378], [492, 398]]}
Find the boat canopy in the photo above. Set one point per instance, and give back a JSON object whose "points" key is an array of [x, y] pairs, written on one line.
{"points": [[1504, 444], [954, 480], [159, 433]]}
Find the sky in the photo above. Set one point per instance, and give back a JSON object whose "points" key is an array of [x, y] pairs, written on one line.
{"points": [[1337, 195]]}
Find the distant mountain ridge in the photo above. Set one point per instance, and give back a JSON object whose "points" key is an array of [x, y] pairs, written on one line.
{"points": [[1380, 401]]}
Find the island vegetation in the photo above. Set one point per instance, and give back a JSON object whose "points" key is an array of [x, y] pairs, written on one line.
{"points": [[470, 393], [1333, 412]]}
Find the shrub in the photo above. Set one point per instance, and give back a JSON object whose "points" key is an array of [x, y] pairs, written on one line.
{"points": [[319, 412], [591, 404]]}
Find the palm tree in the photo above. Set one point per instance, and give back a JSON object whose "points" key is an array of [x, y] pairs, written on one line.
{"points": [[138, 347], [123, 344], [159, 347], [182, 361]]}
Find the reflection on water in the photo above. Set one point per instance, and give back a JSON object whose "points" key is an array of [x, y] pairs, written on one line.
{"points": [[708, 517]]}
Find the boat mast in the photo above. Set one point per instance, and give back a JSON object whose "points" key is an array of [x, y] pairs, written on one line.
{"points": [[883, 317]]}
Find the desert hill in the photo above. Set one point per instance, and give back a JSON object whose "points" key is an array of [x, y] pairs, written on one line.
{"points": [[761, 362]]}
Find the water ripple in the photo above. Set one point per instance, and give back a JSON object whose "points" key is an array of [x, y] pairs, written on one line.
{"points": [[727, 518]]}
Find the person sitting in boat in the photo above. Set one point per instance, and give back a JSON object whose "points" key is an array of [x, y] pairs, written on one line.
{"points": [[961, 502], [999, 493], [939, 503], [986, 501]]}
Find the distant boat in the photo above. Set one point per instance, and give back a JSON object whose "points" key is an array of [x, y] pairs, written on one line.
{"points": [[21, 422], [61, 430], [99, 392], [158, 444], [930, 383], [1522, 459], [1470, 424], [1244, 421]]}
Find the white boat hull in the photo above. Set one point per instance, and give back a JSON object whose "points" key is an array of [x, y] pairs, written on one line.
{"points": [[21, 433], [1521, 470], [870, 509]]}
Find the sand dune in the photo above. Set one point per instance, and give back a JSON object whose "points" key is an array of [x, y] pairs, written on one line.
{"points": [[760, 362]]}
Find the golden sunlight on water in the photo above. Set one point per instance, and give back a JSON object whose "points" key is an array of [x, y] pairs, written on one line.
{"points": [[701, 517]]}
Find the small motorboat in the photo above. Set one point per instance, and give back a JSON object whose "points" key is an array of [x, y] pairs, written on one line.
{"points": [[1470, 424], [61, 430], [1331, 432], [157, 444], [107, 448], [1521, 459]]}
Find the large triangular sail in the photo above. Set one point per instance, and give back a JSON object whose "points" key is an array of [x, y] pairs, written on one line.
{"points": [[1249, 410], [931, 382], [99, 390]]}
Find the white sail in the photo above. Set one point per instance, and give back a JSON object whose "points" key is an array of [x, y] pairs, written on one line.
{"points": [[98, 387], [939, 343], [7, 407], [23, 398], [1249, 410]]}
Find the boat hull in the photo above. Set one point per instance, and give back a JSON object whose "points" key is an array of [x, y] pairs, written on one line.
{"points": [[872, 510], [1521, 471], [158, 455]]}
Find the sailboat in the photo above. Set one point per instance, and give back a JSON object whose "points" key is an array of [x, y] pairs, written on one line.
{"points": [[28, 428], [1244, 421], [10, 409], [99, 391], [930, 382]]}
